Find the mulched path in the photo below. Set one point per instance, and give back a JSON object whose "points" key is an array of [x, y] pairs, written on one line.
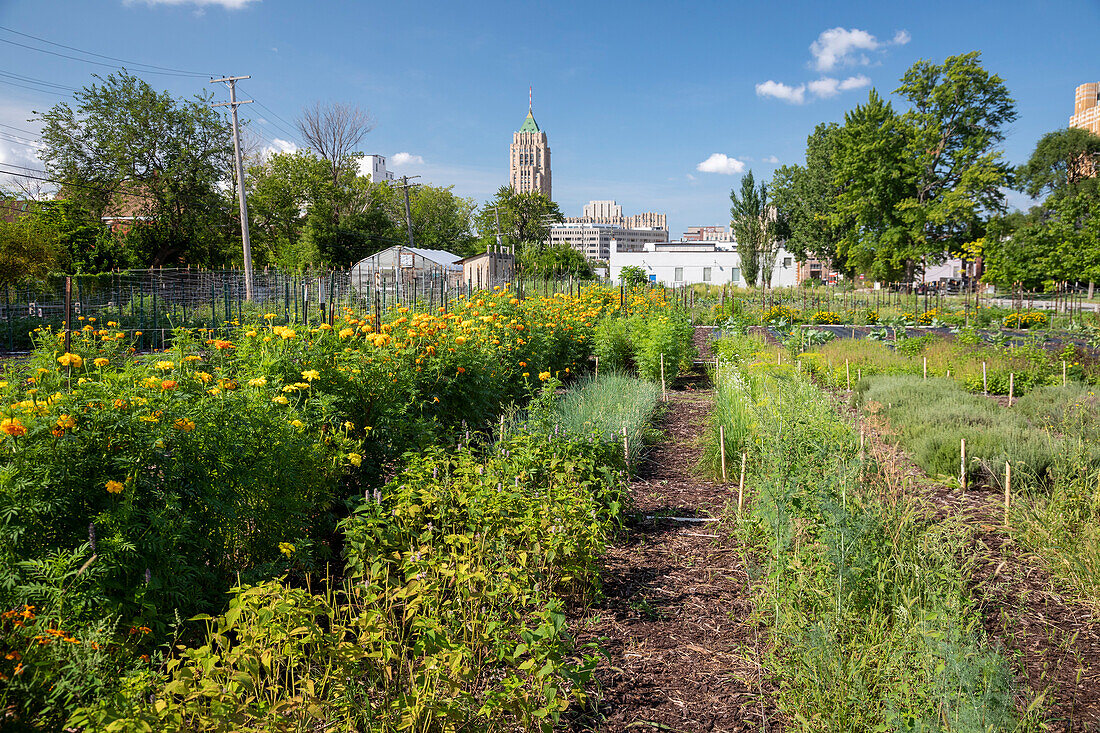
{"points": [[675, 619], [1052, 638]]}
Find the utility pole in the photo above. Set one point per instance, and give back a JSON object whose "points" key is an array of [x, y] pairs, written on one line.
{"points": [[408, 213], [247, 245]]}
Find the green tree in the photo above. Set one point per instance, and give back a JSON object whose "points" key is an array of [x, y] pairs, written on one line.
{"points": [[28, 251], [525, 219], [752, 228], [804, 198], [556, 262], [633, 275], [957, 120], [874, 175], [440, 219], [127, 149], [1062, 161]]}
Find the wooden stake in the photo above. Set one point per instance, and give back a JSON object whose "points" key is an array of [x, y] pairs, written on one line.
{"points": [[1011, 387], [1008, 488], [664, 395], [722, 445], [985, 382], [926, 367], [626, 449], [597, 367], [962, 464], [741, 485]]}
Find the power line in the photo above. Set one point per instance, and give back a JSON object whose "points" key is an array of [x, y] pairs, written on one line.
{"points": [[101, 189], [37, 89], [32, 80], [17, 140], [20, 129], [291, 135], [162, 69]]}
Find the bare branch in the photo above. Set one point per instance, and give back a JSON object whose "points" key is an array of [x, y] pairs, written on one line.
{"points": [[334, 131]]}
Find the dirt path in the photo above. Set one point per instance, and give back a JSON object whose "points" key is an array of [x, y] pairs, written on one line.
{"points": [[1052, 639], [675, 617]]}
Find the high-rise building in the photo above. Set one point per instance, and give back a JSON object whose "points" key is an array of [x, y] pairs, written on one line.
{"points": [[1086, 108], [530, 158], [601, 210], [707, 234]]}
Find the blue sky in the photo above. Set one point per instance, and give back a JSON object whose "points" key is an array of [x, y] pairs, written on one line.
{"points": [[657, 105]]}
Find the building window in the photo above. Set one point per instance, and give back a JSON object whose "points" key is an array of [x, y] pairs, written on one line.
{"points": [[706, 274], [786, 262], [735, 274], [679, 275]]}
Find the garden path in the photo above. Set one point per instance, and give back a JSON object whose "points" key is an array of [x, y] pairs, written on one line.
{"points": [[676, 616]]}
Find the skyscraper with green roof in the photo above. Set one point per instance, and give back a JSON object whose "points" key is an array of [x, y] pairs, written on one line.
{"points": [[529, 168]]}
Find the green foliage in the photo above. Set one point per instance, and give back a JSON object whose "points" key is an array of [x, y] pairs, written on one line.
{"points": [[633, 276], [1061, 161], [754, 231], [126, 149], [26, 252], [604, 406], [555, 262], [523, 219], [857, 592], [640, 342]]}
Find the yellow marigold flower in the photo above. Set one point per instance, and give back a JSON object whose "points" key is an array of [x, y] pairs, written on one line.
{"points": [[286, 548], [13, 427], [460, 340], [121, 404], [355, 459], [151, 382], [115, 487], [345, 332], [269, 316], [543, 376], [280, 399], [184, 425], [203, 377], [66, 422], [297, 423], [257, 382], [324, 327], [290, 388], [101, 362], [310, 374], [71, 360], [526, 374], [165, 366], [349, 425], [288, 334]]}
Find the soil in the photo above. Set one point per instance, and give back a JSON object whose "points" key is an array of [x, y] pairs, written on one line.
{"points": [[676, 617], [1052, 638]]}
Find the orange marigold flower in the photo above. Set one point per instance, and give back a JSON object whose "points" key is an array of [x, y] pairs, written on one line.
{"points": [[184, 425], [114, 487], [219, 344], [168, 385], [13, 427]]}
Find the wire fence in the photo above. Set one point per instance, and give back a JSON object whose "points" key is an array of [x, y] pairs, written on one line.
{"points": [[150, 304]]}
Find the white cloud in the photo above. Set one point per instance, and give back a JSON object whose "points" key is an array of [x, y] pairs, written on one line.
{"points": [[825, 87], [227, 4], [771, 159], [834, 47], [855, 82], [721, 163], [841, 47], [403, 159], [794, 95], [279, 145]]}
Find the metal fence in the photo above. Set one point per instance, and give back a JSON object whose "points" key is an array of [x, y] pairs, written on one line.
{"points": [[151, 303]]}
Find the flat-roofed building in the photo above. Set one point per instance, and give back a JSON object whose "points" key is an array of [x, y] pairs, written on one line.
{"points": [[690, 263], [594, 241]]}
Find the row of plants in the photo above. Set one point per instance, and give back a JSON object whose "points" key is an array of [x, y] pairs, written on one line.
{"points": [[869, 622], [136, 489], [1050, 439], [978, 367]]}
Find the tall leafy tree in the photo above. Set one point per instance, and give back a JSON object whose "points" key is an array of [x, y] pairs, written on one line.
{"points": [[525, 219], [125, 148], [753, 229], [1062, 161], [804, 197], [956, 123], [874, 174]]}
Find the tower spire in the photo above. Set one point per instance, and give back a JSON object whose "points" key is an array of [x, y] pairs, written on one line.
{"points": [[530, 99]]}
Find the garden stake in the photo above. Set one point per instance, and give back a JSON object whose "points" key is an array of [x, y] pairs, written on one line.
{"points": [[926, 367], [859, 374], [597, 367], [985, 383], [962, 463], [664, 395], [626, 449], [741, 486], [722, 445], [1008, 488], [1011, 387]]}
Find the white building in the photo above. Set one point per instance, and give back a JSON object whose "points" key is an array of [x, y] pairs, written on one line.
{"points": [[594, 240], [688, 263], [375, 170]]}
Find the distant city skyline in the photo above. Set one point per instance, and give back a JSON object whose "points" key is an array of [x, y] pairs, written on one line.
{"points": [[668, 126]]}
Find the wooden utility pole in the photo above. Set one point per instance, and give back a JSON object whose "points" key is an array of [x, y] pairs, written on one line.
{"points": [[247, 246], [408, 211]]}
